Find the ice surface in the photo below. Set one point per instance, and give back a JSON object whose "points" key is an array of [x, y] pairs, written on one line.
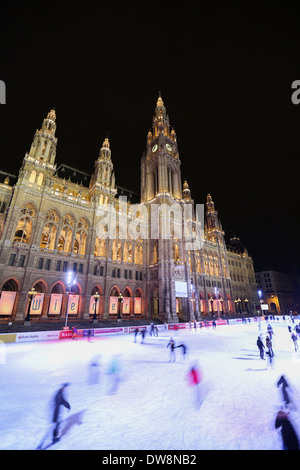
{"points": [[153, 406]]}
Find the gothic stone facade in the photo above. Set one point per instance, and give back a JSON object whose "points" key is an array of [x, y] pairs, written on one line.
{"points": [[56, 219]]}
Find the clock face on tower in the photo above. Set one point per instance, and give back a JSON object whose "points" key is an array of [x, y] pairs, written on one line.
{"points": [[154, 148], [169, 147]]}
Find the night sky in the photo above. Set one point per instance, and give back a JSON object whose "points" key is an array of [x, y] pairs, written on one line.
{"points": [[225, 76]]}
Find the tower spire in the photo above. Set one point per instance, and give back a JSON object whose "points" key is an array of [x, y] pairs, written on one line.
{"points": [[44, 143]]}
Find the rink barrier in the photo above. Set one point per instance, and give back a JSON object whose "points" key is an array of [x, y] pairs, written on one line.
{"points": [[96, 332]]}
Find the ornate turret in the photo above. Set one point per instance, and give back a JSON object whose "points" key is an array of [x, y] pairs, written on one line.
{"points": [[44, 143], [186, 192], [104, 175], [213, 225]]}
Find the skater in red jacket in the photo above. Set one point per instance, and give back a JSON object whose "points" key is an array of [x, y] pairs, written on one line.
{"points": [[195, 378]]}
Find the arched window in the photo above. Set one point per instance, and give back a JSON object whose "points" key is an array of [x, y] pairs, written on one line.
{"points": [[40, 179], [117, 250], [25, 223], [32, 177], [128, 252], [175, 252], [65, 236]]}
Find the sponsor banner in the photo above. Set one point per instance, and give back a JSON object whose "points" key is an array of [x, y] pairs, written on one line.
{"points": [[113, 305], [114, 331], [37, 336], [55, 304], [88, 332], [92, 305], [137, 305], [7, 302], [65, 334], [36, 306], [73, 303], [181, 289], [126, 305], [177, 326]]}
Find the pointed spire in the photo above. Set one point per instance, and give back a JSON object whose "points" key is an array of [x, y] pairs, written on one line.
{"points": [[51, 115], [186, 190], [105, 151], [210, 204], [159, 101]]}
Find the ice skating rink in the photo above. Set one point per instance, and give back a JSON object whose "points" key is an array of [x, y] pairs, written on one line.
{"points": [[153, 406]]}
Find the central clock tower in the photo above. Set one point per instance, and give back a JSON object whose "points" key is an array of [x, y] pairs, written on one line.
{"points": [[160, 168], [161, 193]]}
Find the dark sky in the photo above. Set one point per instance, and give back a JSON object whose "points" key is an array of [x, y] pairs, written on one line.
{"points": [[225, 76]]}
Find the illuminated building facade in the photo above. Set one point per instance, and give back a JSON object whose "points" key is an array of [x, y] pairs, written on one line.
{"points": [[56, 219]]}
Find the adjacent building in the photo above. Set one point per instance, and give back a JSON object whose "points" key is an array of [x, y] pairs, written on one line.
{"points": [[277, 291]]}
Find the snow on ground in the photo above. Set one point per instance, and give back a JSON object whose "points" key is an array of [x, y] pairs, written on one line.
{"points": [[153, 407]]}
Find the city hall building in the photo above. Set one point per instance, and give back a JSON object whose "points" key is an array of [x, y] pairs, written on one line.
{"points": [[67, 235]]}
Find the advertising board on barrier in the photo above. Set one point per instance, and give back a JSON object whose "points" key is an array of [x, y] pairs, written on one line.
{"points": [[107, 331], [37, 336]]}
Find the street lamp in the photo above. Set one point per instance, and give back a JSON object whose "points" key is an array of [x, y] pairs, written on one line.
{"points": [[239, 305], [212, 305], [96, 298], [120, 300], [246, 304], [260, 294], [222, 300], [31, 294]]}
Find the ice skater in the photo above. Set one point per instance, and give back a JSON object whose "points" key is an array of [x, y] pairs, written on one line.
{"points": [[135, 333], [270, 352], [184, 349], [285, 394], [270, 331], [143, 334], [59, 401], [114, 370], [195, 377], [295, 341], [74, 332], [261, 347], [290, 439], [171, 345], [94, 371]]}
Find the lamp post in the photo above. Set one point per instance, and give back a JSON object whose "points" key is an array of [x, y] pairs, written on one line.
{"points": [[260, 294], [96, 298], [239, 305], [246, 304], [212, 305], [222, 300], [120, 300], [31, 294]]}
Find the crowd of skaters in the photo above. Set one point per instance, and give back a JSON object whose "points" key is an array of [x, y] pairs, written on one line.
{"points": [[283, 423]]}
